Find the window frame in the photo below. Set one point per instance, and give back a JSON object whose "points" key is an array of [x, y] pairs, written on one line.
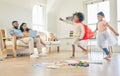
{"points": [[44, 19], [97, 10], [118, 19], [118, 22]]}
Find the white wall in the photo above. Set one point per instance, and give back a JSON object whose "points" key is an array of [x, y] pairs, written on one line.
{"points": [[17, 10], [8, 13], [66, 8], [53, 7], [51, 23]]}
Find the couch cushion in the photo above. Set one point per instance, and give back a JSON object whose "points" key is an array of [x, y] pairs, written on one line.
{"points": [[19, 43]]}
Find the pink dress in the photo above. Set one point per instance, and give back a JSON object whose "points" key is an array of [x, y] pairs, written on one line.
{"points": [[104, 38]]}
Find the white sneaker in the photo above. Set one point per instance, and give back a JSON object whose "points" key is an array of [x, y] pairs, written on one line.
{"points": [[34, 56]]}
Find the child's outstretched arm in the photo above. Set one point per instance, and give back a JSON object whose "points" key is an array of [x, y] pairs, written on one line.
{"points": [[116, 33], [94, 32], [66, 21]]}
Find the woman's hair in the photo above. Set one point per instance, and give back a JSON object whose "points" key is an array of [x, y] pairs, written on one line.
{"points": [[21, 27], [80, 16], [101, 13]]}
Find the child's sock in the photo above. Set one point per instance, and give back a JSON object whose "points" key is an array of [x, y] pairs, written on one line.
{"points": [[106, 51]]}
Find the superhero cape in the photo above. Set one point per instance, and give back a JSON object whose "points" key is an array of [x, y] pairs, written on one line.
{"points": [[88, 33]]}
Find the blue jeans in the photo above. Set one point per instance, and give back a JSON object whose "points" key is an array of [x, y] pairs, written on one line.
{"points": [[106, 51]]}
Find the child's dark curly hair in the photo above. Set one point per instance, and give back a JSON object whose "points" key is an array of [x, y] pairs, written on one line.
{"points": [[80, 16]]}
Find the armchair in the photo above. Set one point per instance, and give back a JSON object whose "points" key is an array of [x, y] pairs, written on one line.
{"points": [[9, 43]]}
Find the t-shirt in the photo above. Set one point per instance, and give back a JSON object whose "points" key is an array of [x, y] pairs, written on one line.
{"points": [[79, 30], [17, 32], [26, 33]]}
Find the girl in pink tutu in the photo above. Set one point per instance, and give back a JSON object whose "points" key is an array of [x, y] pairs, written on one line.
{"points": [[104, 38]]}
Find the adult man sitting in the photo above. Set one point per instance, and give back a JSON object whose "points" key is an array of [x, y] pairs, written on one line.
{"points": [[21, 39]]}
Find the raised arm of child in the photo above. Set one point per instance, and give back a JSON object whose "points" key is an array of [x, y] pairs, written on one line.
{"points": [[66, 21], [116, 33]]}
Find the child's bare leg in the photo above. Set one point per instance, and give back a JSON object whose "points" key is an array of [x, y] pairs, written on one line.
{"points": [[107, 57], [107, 53], [84, 50], [41, 41], [73, 51]]}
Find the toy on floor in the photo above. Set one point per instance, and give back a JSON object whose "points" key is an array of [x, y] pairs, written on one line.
{"points": [[80, 64], [38, 65], [51, 65], [54, 66]]}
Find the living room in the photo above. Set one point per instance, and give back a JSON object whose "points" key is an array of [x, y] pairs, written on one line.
{"points": [[50, 45]]}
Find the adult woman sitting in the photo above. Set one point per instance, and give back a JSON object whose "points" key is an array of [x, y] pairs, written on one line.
{"points": [[38, 41]]}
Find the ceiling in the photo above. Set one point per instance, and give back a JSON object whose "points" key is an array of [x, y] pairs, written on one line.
{"points": [[54, 4], [22, 3], [51, 4]]}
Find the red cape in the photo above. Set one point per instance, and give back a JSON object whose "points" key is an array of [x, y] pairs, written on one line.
{"points": [[88, 33]]}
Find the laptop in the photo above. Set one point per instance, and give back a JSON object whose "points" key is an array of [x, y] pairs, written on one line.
{"points": [[32, 33]]}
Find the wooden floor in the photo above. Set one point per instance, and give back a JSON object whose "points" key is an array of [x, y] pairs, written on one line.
{"points": [[22, 66]]}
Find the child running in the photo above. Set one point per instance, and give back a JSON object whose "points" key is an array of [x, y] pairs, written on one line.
{"points": [[81, 31], [104, 38]]}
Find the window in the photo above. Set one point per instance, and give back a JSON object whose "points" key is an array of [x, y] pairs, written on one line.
{"points": [[38, 18], [118, 19], [118, 9], [92, 15], [119, 33], [93, 9]]}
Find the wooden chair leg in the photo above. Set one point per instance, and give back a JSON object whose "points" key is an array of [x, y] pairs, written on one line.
{"points": [[49, 49], [14, 52], [1, 52], [4, 51], [58, 49]]}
